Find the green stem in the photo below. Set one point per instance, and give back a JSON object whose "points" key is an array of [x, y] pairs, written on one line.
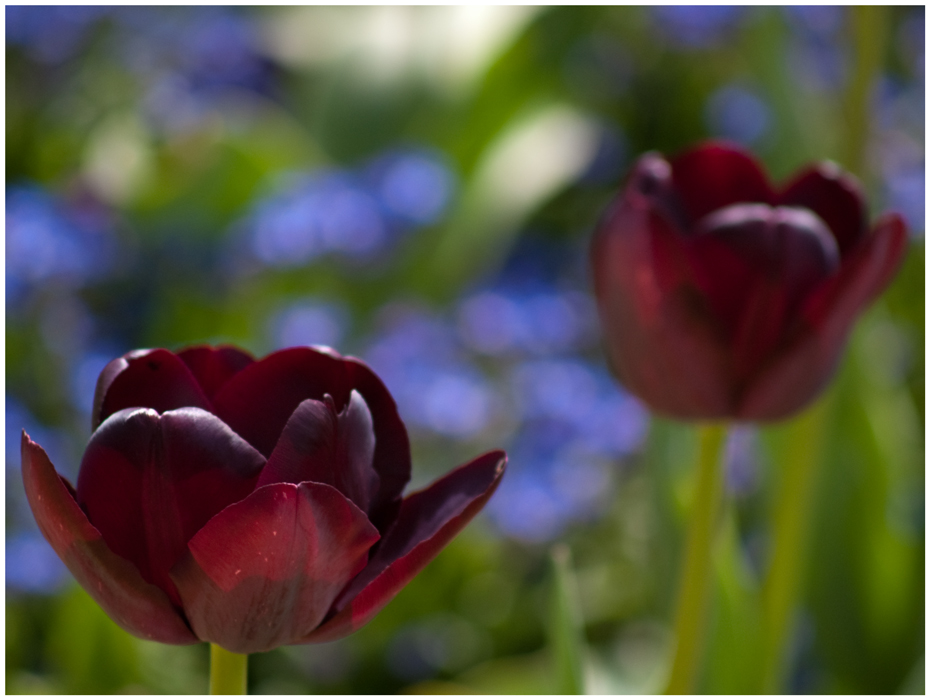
{"points": [[868, 29], [227, 671], [792, 512], [691, 615]]}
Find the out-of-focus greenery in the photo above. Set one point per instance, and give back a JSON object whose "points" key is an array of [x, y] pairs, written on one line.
{"points": [[417, 186]]}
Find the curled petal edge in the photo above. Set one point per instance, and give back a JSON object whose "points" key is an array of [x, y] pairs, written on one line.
{"points": [[140, 608], [154, 378], [385, 576], [258, 401]]}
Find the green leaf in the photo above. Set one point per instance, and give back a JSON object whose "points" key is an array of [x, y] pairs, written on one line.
{"points": [[867, 565], [566, 632], [92, 654], [732, 661]]}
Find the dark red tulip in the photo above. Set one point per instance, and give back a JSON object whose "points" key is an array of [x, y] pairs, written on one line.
{"points": [[723, 297], [247, 503]]}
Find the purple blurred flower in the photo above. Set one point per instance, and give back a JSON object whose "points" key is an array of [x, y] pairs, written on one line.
{"points": [[50, 34], [433, 382], [742, 460], [413, 185], [309, 322], [905, 192], [576, 422], [816, 53], [354, 215], [327, 212], [738, 114], [696, 26], [46, 239], [32, 565], [541, 322]]}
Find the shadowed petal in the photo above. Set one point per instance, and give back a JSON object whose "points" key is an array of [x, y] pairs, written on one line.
{"points": [[149, 482], [715, 175], [265, 571], [427, 522], [803, 371], [155, 379], [318, 444], [258, 401], [835, 197], [213, 367], [140, 608], [663, 340], [392, 446]]}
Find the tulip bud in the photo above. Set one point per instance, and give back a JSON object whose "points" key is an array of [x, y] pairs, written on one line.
{"points": [[722, 297]]}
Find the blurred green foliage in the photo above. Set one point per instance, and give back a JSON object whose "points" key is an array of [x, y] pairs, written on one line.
{"points": [[340, 86]]}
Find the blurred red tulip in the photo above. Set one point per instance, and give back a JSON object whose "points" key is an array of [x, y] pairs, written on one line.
{"points": [[723, 297], [247, 503]]}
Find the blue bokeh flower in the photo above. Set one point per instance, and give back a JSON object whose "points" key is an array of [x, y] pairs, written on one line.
{"points": [[696, 26], [436, 386], [49, 239]]}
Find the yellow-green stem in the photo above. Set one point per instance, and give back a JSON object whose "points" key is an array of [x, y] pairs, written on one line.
{"points": [[790, 526], [868, 29], [694, 592], [227, 671]]}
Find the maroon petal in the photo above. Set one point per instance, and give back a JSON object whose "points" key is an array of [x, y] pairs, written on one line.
{"points": [[651, 185], [258, 401], [265, 571], [392, 446], [149, 482], [427, 522], [116, 584], [804, 369], [213, 367], [756, 265], [155, 379], [835, 197], [663, 341], [318, 444], [716, 175]]}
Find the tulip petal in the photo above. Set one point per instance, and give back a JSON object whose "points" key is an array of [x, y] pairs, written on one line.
{"points": [[149, 482], [427, 522], [663, 340], [213, 367], [258, 401], [650, 184], [756, 265], [265, 571], [835, 197], [716, 175], [140, 608], [392, 446], [804, 369], [155, 379], [318, 444]]}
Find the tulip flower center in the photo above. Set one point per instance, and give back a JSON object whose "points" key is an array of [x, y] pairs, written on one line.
{"points": [[757, 265]]}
